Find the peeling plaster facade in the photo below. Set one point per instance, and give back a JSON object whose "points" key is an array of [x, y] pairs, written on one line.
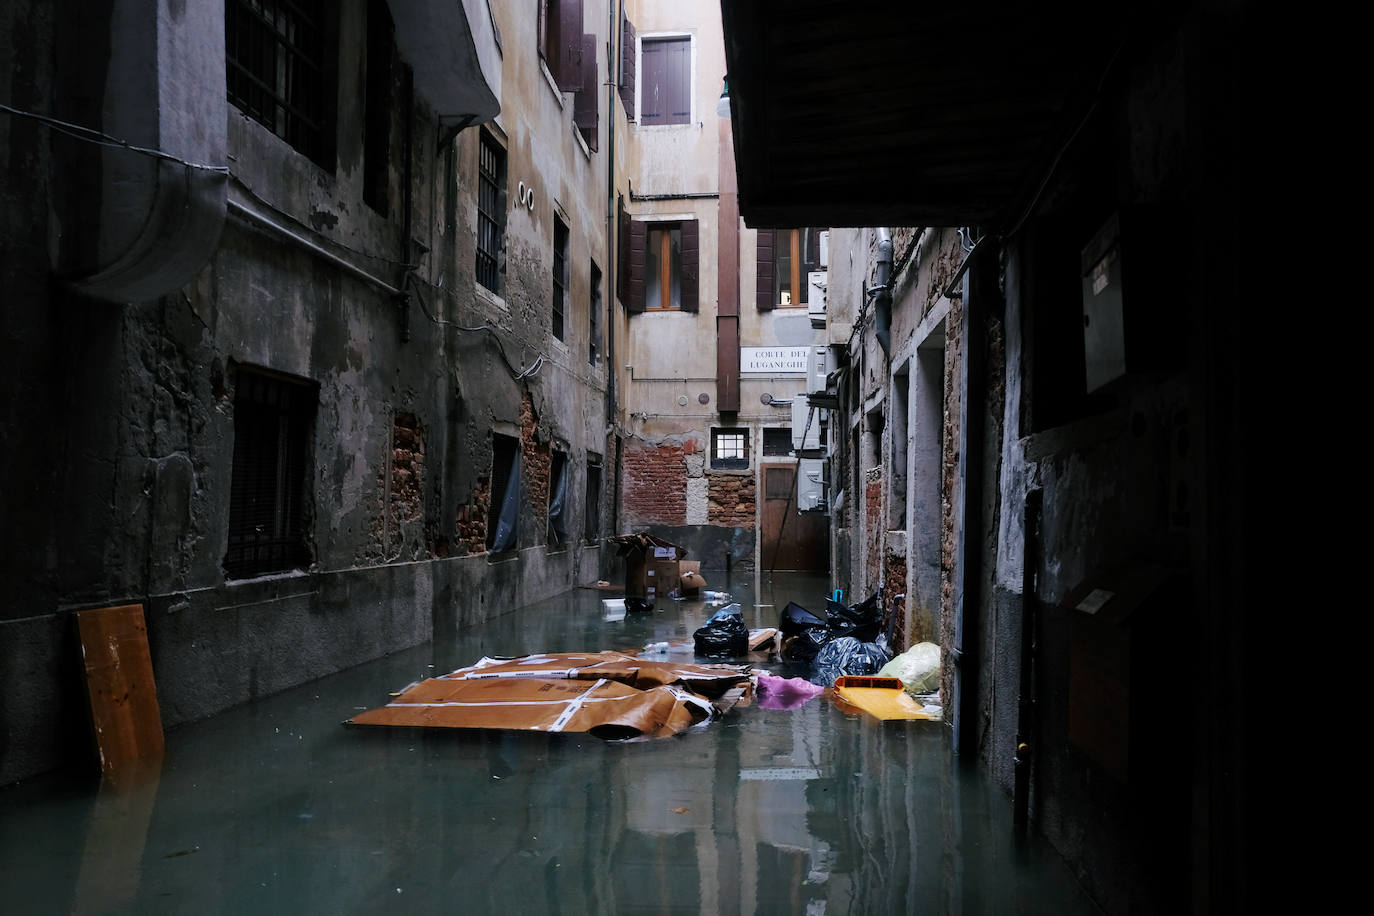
{"points": [[356, 293]]}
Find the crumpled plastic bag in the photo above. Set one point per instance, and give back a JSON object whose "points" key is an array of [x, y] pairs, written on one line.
{"points": [[803, 633], [786, 692], [863, 621], [918, 668], [846, 656], [725, 635]]}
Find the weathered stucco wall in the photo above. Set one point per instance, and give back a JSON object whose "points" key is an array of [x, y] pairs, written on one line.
{"points": [[119, 419]]}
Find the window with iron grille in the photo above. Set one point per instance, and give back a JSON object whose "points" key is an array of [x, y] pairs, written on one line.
{"points": [[280, 70], [729, 448], [594, 323], [268, 504], [560, 276], [491, 213]]}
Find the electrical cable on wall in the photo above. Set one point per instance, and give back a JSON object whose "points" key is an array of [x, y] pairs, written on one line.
{"points": [[99, 138]]}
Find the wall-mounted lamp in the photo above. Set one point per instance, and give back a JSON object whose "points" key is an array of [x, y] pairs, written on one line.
{"points": [[723, 103]]}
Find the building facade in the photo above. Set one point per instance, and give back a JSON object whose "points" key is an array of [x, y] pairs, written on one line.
{"points": [[306, 333], [718, 329]]}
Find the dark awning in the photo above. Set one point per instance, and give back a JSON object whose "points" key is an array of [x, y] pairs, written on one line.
{"points": [[913, 114], [451, 45]]}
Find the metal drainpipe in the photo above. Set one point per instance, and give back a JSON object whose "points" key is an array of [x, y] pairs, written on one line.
{"points": [[614, 13], [403, 302], [882, 303]]}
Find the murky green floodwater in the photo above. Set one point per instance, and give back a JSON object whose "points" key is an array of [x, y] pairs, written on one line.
{"points": [[276, 808]]}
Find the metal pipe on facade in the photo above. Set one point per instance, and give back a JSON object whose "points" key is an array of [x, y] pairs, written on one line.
{"points": [[322, 253], [882, 302], [615, 12], [1025, 706]]}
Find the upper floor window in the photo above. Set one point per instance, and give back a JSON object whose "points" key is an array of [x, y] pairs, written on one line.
{"points": [[491, 213], [594, 323], [560, 276], [663, 265], [280, 70], [785, 259], [665, 81]]}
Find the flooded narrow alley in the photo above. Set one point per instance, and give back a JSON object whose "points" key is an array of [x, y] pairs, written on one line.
{"points": [[275, 807]]}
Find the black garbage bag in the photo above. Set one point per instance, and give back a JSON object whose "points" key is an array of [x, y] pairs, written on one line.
{"points": [[640, 605], [846, 655], [863, 621], [724, 635], [803, 633]]}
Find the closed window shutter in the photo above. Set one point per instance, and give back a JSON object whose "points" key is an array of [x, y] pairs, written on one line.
{"points": [[639, 236], [766, 297], [627, 69], [622, 251], [585, 102], [652, 108], [691, 283], [568, 73], [679, 71]]}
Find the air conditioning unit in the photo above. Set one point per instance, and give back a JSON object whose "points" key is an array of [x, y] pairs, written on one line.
{"points": [[800, 413], [821, 363], [811, 485], [815, 297], [823, 244]]}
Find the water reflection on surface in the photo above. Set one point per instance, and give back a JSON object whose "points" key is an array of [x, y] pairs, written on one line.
{"points": [[276, 808]]}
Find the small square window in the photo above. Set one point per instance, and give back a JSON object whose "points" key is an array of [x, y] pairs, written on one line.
{"points": [[729, 448], [777, 442]]}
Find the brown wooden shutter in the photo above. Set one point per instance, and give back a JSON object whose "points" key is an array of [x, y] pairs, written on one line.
{"points": [[691, 274], [627, 69], [639, 238], [568, 72], [679, 89], [767, 296], [622, 250], [585, 108], [652, 102]]}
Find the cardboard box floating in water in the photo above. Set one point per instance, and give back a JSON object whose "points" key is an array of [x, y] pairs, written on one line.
{"points": [[606, 694]]}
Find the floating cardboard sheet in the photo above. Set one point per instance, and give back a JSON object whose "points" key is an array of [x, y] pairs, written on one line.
{"points": [[642, 673], [601, 707], [606, 694]]}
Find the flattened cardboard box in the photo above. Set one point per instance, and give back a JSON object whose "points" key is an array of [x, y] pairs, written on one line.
{"points": [[606, 694]]}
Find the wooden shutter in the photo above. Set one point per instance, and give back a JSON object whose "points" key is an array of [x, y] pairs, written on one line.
{"points": [[585, 101], [639, 237], [622, 250], [627, 69], [767, 296], [691, 259], [568, 72], [679, 88], [652, 101]]}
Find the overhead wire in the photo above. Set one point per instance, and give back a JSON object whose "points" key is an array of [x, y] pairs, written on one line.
{"points": [[100, 138]]}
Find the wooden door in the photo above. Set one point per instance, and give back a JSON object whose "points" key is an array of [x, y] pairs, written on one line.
{"points": [[791, 540]]}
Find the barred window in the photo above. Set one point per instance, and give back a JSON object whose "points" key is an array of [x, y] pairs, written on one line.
{"points": [[268, 501], [591, 515], [280, 71], [560, 276], [491, 213], [729, 448]]}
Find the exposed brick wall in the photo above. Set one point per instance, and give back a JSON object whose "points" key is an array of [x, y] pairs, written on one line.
{"points": [[894, 578], [407, 469], [732, 500], [535, 463], [873, 527], [472, 519], [655, 483]]}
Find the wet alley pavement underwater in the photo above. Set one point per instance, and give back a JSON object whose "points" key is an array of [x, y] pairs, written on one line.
{"points": [[275, 807]]}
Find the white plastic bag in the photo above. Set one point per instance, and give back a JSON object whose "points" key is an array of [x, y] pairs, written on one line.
{"points": [[918, 668]]}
